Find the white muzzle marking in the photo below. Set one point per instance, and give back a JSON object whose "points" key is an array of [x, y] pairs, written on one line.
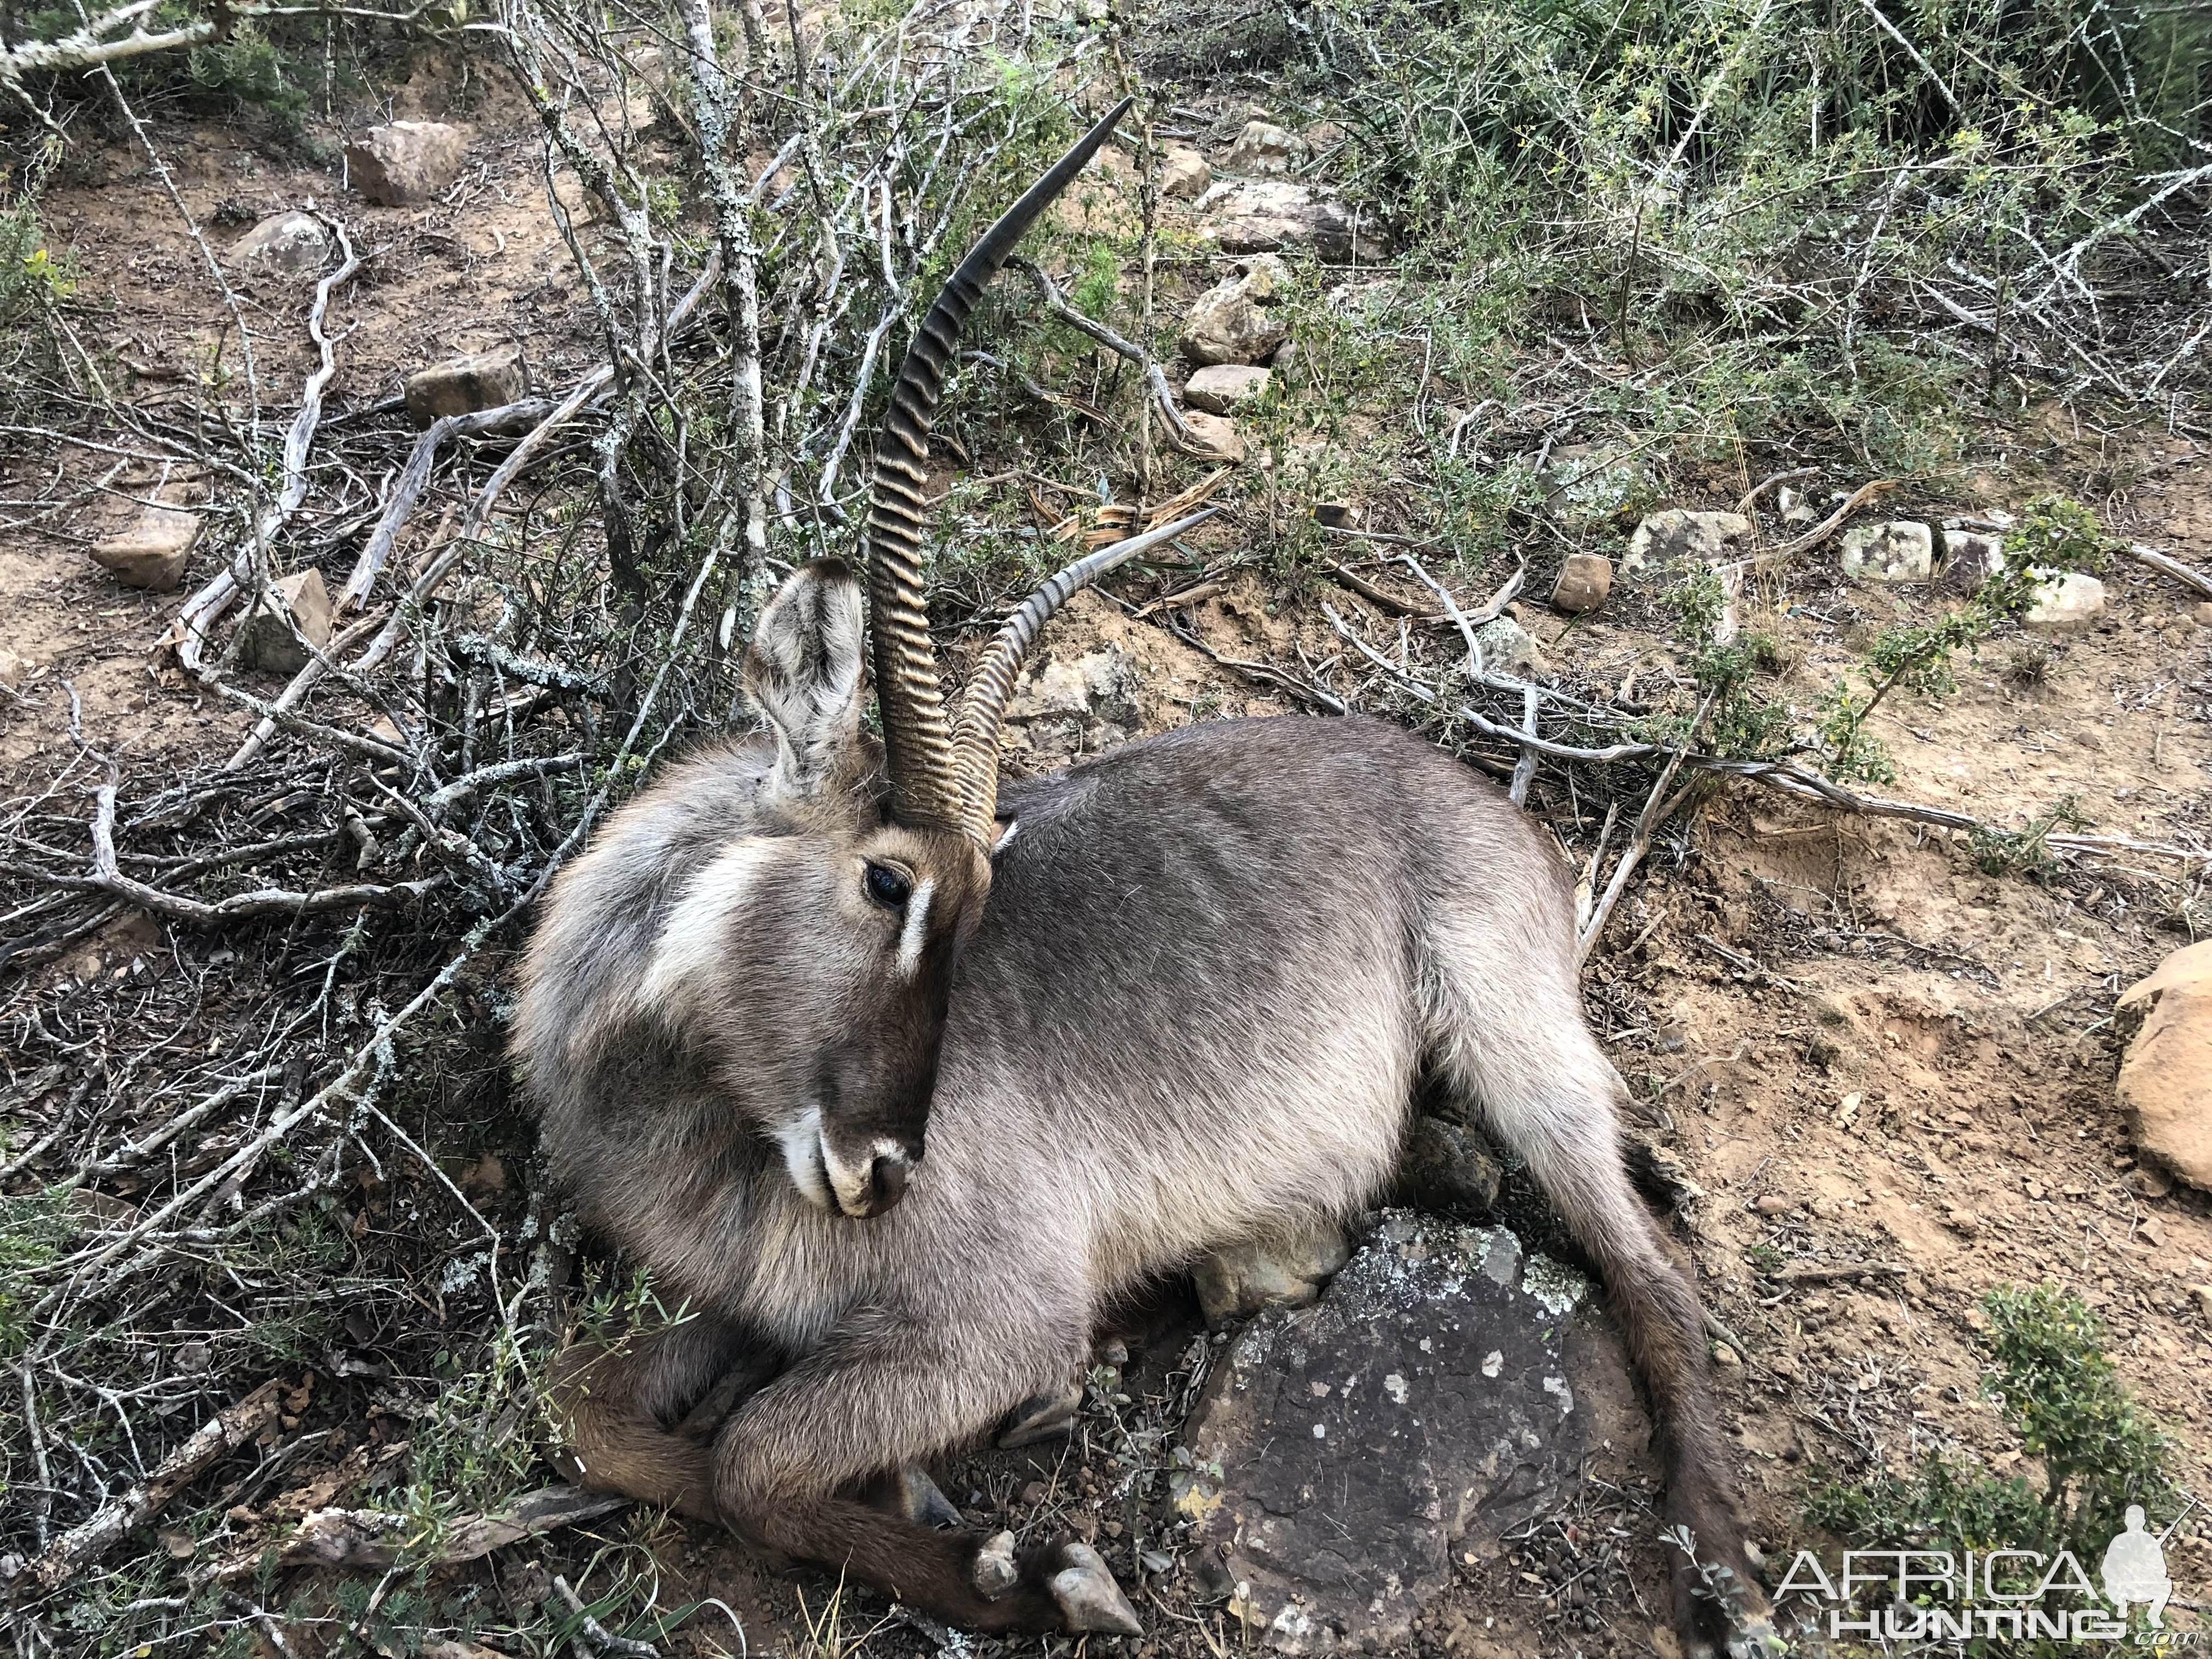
{"points": [[805, 1155]]}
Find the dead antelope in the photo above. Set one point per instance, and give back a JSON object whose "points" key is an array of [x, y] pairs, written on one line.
{"points": [[1171, 999]]}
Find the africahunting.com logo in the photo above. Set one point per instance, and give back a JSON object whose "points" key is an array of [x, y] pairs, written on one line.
{"points": [[1943, 1595]]}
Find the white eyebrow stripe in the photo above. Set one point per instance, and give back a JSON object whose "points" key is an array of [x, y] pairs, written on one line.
{"points": [[917, 923]]}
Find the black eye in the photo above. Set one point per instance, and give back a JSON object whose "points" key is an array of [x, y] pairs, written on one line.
{"points": [[888, 888]]}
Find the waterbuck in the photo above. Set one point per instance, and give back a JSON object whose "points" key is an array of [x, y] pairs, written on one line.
{"points": [[896, 1080]]}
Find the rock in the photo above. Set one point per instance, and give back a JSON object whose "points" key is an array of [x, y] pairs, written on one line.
{"points": [[1064, 706], [1266, 216], [1263, 148], [1679, 533], [462, 385], [1217, 435], [2203, 613], [2065, 599], [405, 162], [1322, 136], [1970, 559], [13, 669], [2166, 1079], [1793, 506], [1219, 388], [1585, 482], [1901, 551], [1184, 173], [1237, 320], [1448, 1170], [293, 244], [270, 642], [1507, 648], [1272, 1273], [151, 553], [2202, 1296], [1584, 582], [1437, 1398]]}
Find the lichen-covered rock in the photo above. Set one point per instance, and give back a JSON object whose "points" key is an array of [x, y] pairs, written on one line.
{"points": [[288, 244], [1901, 551], [1221, 388], [1265, 148], [403, 163], [1680, 533], [1970, 559], [1435, 1399], [1263, 215], [1507, 648], [462, 385], [2166, 1080], [1062, 707], [2065, 599], [1238, 319]]}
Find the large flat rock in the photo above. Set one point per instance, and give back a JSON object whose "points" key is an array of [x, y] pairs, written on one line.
{"points": [[1439, 1395]]}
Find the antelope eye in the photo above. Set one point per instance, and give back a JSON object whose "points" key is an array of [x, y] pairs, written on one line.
{"points": [[887, 887]]}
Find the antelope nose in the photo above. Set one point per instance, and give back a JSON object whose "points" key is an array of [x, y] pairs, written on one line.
{"points": [[887, 1177]]}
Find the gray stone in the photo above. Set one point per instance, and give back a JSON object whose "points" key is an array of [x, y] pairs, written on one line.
{"points": [[1262, 215], [403, 163], [1585, 581], [1238, 320], [2065, 599], [288, 244], [1449, 1170], [1184, 173], [1264, 148], [462, 385], [1793, 506], [1901, 551], [151, 553], [1440, 1395], [272, 643], [1272, 1273], [1970, 559], [1507, 648], [1220, 388], [1678, 534]]}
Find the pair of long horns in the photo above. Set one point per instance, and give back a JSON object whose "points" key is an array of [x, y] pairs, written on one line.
{"points": [[945, 772]]}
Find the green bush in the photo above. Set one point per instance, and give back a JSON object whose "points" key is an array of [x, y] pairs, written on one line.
{"points": [[2100, 1452]]}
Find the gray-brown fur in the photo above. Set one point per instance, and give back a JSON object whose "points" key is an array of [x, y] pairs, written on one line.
{"points": [[1192, 1012]]}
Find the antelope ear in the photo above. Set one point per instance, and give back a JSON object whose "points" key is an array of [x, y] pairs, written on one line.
{"points": [[803, 672]]}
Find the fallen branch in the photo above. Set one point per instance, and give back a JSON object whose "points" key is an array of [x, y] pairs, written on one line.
{"points": [[375, 1539], [274, 901], [86, 1542], [2166, 565]]}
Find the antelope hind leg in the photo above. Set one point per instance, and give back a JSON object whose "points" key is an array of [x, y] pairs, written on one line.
{"points": [[879, 1393], [1545, 1089]]}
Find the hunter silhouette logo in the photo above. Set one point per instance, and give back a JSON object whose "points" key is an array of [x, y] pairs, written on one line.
{"points": [[2134, 1569]]}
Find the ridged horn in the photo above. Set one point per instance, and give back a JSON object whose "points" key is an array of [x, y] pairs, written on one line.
{"points": [[976, 741], [917, 742]]}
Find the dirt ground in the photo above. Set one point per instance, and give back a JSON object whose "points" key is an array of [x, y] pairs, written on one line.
{"points": [[1863, 1051]]}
